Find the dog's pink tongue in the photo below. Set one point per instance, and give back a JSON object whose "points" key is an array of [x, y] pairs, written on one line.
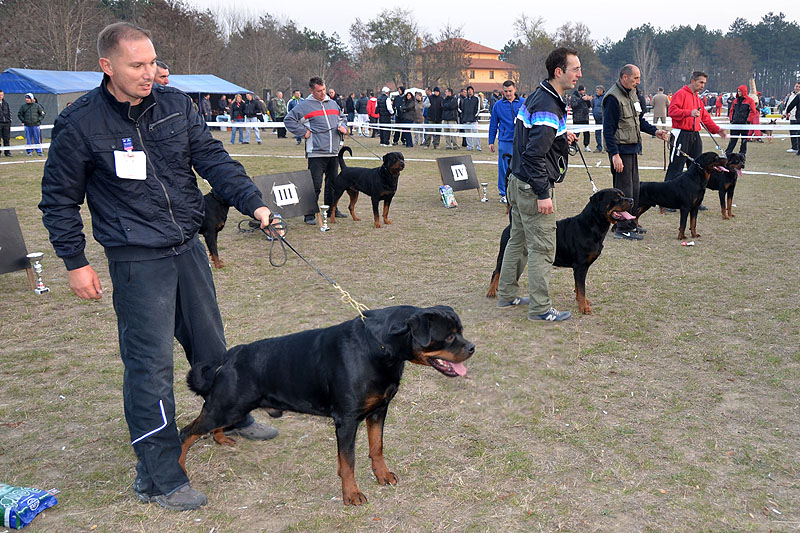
{"points": [[460, 369], [626, 215], [739, 172]]}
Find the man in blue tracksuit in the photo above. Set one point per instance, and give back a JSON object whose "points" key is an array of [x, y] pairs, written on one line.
{"points": [[501, 127]]}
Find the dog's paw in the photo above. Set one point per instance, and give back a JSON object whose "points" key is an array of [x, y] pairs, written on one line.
{"points": [[354, 497], [387, 221], [386, 478], [586, 308]]}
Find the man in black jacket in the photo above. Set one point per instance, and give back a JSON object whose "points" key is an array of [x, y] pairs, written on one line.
{"points": [[434, 117], [450, 116], [385, 112], [581, 104], [5, 122], [470, 107], [129, 149], [397, 104], [539, 161]]}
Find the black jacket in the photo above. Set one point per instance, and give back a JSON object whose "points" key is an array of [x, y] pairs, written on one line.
{"points": [[361, 105], [135, 219], [435, 110], [251, 108], [449, 108], [580, 109], [469, 109], [5, 112], [381, 107], [541, 152]]}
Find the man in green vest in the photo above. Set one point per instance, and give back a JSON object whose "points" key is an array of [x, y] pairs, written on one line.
{"points": [[623, 124]]}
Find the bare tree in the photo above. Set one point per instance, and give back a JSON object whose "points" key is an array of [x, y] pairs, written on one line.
{"points": [[55, 34], [444, 61], [645, 57], [529, 51]]}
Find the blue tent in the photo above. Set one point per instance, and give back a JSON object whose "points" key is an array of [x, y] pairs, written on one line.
{"points": [[55, 88]]}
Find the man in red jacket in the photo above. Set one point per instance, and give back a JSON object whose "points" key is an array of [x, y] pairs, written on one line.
{"points": [[687, 113]]}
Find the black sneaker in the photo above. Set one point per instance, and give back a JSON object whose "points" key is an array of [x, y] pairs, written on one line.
{"points": [[553, 315], [311, 220], [641, 230], [669, 210], [255, 431], [702, 208], [339, 214], [628, 235], [142, 491], [184, 499], [513, 303]]}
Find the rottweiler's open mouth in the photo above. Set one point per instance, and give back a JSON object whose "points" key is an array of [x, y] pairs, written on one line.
{"points": [[621, 215], [448, 368], [720, 169]]}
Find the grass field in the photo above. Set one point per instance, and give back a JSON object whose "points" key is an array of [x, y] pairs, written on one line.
{"points": [[674, 407]]}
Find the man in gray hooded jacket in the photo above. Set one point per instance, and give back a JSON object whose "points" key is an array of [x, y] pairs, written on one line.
{"points": [[321, 122]]}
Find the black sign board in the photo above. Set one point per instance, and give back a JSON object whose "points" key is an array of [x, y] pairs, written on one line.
{"points": [[290, 194], [458, 172], [12, 245]]}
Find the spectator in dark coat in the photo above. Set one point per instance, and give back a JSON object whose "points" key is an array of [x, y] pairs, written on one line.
{"points": [[581, 108], [434, 117]]}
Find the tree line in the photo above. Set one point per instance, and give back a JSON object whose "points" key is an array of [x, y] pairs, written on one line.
{"points": [[261, 51]]}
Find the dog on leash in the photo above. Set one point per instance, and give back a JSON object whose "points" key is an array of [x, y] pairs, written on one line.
{"points": [[349, 372], [725, 183], [579, 240], [685, 192], [216, 214], [378, 183]]}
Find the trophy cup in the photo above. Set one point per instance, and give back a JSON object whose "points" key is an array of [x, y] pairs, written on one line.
{"points": [[323, 211], [37, 268], [483, 186]]}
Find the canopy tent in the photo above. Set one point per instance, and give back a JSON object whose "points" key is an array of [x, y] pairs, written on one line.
{"points": [[55, 88]]}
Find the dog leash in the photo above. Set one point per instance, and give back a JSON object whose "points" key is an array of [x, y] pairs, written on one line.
{"points": [[365, 148], [577, 148], [712, 137], [273, 233]]}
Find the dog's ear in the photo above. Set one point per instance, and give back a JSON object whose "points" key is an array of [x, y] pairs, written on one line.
{"points": [[420, 328], [386, 158]]}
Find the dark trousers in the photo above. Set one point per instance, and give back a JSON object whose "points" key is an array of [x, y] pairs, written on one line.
{"points": [[329, 166], [155, 301], [5, 134], [587, 136], [598, 134], [628, 182], [691, 144], [397, 133], [794, 134], [384, 122], [732, 144], [281, 131]]}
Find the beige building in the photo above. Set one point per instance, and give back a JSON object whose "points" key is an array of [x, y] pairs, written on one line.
{"points": [[486, 72]]}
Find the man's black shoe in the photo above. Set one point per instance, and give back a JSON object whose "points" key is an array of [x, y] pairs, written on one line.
{"points": [[311, 220], [702, 208], [641, 230], [339, 214]]}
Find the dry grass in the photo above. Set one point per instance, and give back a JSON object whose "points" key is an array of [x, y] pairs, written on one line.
{"points": [[673, 407]]}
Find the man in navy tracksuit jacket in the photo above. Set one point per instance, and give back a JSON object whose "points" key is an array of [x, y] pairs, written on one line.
{"points": [[129, 148], [501, 127]]}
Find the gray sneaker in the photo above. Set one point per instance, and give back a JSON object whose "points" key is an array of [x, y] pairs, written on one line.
{"points": [[255, 431], [513, 303], [183, 499], [553, 315]]}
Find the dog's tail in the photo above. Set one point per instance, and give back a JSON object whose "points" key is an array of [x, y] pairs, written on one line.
{"points": [[200, 379], [342, 150]]}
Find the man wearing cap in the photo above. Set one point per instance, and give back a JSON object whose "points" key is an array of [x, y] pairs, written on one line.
{"points": [[385, 112], [31, 114], [5, 122]]}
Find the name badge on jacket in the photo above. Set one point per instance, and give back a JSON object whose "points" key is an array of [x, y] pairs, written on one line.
{"points": [[130, 165]]}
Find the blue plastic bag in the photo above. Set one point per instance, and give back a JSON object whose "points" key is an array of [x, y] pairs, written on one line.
{"points": [[20, 505]]}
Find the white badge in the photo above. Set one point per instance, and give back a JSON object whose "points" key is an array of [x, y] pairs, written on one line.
{"points": [[130, 165], [638, 107]]}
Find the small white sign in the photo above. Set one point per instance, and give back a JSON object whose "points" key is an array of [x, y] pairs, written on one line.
{"points": [[285, 194], [459, 172]]}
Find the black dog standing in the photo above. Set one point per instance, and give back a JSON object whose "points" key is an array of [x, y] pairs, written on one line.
{"points": [[349, 372], [725, 183], [378, 183]]}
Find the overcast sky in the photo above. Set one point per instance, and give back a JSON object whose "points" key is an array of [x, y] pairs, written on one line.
{"points": [[493, 26]]}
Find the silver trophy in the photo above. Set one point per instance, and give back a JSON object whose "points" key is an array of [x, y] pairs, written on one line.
{"points": [[323, 210], [37, 268], [483, 186]]}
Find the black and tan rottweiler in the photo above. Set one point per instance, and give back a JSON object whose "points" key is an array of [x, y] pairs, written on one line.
{"points": [[216, 213], [725, 183], [378, 183], [685, 192], [349, 372], [579, 239]]}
